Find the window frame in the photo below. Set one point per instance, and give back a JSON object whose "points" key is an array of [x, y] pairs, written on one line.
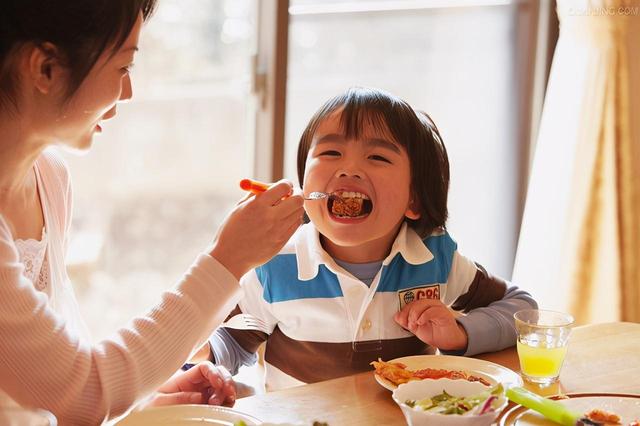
{"points": [[535, 44]]}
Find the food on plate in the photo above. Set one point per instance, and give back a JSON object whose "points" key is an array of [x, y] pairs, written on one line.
{"points": [[607, 418], [397, 373], [444, 403], [603, 416]]}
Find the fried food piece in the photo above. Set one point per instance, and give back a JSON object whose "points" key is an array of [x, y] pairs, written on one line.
{"points": [[347, 206], [603, 416], [397, 373]]}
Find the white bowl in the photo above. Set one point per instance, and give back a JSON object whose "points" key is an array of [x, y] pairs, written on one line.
{"points": [[419, 389]]}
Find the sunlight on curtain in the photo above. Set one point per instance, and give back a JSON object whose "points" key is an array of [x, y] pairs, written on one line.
{"points": [[579, 247]]}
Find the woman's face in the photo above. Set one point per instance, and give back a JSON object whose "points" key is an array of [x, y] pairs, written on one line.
{"points": [[107, 83]]}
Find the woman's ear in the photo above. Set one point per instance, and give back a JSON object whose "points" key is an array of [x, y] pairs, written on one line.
{"points": [[44, 68]]}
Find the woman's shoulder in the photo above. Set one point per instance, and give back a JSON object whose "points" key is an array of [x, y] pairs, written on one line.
{"points": [[51, 160], [56, 186], [53, 168]]}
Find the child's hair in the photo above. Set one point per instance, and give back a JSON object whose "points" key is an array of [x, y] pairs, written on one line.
{"points": [[414, 130], [80, 31]]}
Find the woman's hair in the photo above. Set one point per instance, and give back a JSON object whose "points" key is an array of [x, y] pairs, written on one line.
{"points": [[414, 130], [79, 30]]}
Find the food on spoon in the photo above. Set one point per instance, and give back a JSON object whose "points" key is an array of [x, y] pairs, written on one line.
{"points": [[347, 206], [397, 373], [350, 204]]}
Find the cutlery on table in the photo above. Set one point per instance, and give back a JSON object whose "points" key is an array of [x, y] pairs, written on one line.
{"points": [[246, 322], [549, 408], [256, 187]]}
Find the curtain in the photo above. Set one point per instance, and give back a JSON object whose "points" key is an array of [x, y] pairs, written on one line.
{"points": [[579, 245]]}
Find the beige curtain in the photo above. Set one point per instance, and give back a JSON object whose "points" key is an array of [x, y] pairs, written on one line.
{"points": [[579, 247]]}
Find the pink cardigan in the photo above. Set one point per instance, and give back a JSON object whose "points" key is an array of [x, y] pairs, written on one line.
{"points": [[44, 360]]}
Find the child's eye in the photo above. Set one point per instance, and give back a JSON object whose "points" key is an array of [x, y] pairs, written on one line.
{"points": [[330, 153], [379, 158]]}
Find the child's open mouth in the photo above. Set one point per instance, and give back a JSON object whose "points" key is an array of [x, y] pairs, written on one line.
{"points": [[350, 205]]}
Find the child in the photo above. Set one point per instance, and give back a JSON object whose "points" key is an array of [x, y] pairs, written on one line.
{"points": [[375, 272]]}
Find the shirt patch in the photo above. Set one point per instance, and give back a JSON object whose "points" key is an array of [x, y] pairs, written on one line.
{"points": [[431, 291]]}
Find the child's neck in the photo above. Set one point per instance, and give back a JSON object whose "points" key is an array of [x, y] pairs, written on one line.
{"points": [[371, 251]]}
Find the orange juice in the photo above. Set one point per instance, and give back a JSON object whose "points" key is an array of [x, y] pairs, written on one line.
{"points": [[540, 361]]}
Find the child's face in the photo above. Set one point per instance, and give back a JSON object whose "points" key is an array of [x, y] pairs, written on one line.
{"points": [[372, 172]]}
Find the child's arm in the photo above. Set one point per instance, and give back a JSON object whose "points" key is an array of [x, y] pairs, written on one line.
{"points": [[223, 349], [228, 352], [234, 348], [492, 328], [489, 301]]}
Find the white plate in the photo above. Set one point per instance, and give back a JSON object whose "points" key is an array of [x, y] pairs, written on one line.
{"points": [[187, 415], [493, 373], [626, 406]]}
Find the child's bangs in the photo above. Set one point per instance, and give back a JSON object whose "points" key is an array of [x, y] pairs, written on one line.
{"points": [[355, 119]]}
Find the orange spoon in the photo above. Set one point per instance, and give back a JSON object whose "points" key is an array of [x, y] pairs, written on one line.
{"points": [[257, 187], [253, 186]]}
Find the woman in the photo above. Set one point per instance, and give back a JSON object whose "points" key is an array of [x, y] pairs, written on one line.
{"points": [[64, 65]]}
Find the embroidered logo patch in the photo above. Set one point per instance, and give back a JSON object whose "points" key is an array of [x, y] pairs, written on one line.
{"points": [[431, 291]]}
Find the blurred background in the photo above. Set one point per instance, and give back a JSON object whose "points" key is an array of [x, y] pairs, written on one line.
{"points": [[224, 88]]}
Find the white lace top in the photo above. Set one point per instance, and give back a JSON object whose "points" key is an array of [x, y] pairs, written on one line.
{"points": [[33, 256]]}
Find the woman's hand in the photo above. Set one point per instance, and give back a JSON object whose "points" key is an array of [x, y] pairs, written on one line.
{"points": [[203, 383], [258, 228], [202, 354], [433, 323]]}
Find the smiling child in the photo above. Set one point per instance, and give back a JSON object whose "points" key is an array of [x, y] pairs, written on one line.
{"points": [[375, 274]]}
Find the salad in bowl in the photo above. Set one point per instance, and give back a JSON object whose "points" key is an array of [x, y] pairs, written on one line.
{"points": [[446, 402]]}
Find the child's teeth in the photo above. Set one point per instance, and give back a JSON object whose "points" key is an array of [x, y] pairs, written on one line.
{"points": [[353, 194]]}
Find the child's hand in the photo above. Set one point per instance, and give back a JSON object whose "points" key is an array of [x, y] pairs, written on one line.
{"points": [[204, 383], [433, 323]]}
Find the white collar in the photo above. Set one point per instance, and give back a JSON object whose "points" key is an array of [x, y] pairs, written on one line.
{"points": [[310, 254]]}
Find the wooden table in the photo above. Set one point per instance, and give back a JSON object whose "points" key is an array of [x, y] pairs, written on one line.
{"points": [[600, 358]]}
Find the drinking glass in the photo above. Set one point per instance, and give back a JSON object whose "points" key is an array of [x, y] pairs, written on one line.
{"points": [[542, 343]]}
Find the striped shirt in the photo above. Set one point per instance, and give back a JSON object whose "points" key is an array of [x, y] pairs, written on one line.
{"points": [[324, 323]]}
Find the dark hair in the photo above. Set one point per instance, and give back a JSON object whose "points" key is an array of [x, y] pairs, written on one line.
{"points": [[414, 130], [80, 30]]}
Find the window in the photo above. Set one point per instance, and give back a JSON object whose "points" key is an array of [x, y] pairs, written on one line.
{"points": [[158, 181], [463, 62], [150, 194]]}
